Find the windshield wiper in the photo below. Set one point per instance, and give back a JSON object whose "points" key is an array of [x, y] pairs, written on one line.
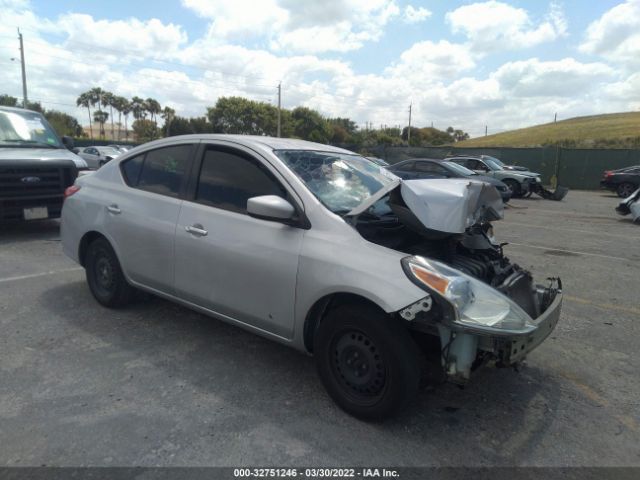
{"points": [[22, 142]]}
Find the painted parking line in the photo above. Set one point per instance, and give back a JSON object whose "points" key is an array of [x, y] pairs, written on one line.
{"points": [[41, 274], [571, 252]]}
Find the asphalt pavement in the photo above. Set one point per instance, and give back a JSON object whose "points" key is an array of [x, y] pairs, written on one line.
{"points": [[157, 384]]}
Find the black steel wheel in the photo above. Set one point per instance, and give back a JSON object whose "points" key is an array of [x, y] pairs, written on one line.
{"points": [[367, 361], [104, 275], [625, 189]]}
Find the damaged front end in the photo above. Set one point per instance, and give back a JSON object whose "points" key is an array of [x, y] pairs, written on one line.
{"points": [[480, 305], [630, 206]]}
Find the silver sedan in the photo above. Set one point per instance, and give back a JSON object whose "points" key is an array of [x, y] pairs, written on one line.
{"points": [[318, 248], [97, 156]]}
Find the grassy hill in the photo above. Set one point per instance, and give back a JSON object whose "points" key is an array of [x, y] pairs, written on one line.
{"points": [[610, 130]]}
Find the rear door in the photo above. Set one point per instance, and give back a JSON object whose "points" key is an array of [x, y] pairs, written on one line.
{"points": [[142, 215], [226, 261]]}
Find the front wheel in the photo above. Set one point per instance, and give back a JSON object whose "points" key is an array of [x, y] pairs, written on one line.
{"points": [[368, 363], [514, 186], [104, 275]]}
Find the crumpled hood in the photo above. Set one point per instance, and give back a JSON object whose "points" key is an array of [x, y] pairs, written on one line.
{"points": [[40, 154], [451, 205]]}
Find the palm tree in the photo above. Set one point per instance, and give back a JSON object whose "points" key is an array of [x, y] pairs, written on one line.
{"points": [[108, 99], [84, 100], [96, 95], [100, 117], [154, 108], [138, 108], [167, 114], [119, 104], [126, 110]]}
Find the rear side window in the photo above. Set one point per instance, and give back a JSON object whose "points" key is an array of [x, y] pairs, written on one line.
{"points": [[159, 171], [227, 180], [429, 167], [131, 170], [406, 167]]}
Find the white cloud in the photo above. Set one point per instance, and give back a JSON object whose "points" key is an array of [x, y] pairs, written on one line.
{"points": [[431, 62], [412, 14], [616, 34], [492, 26], [308, 27], [562, 78]]}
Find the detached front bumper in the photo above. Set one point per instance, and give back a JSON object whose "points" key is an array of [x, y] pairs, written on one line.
{"points": [[465, 349], [514, 348]]}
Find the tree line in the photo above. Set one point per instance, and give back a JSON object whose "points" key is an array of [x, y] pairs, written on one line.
{"points": [[239, 115]]}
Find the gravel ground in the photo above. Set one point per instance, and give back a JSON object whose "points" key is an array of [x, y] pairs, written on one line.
{"points": [[157, 384]]}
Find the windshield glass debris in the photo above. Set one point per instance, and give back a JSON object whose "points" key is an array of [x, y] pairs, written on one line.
{"points": [[340, 181]]}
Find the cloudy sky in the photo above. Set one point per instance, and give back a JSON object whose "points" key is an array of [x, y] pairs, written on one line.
{"points": [[504, 64]]}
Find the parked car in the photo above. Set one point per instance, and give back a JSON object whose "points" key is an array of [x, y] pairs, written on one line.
{"points": [[429, 168], [97, 156], [121, 148], [35, 166], [505, 166], [520, 183], [630, 206], [623, 181], [317, 248]]}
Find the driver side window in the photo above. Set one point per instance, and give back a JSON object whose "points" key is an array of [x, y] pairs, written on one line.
{"points": [[228, 179]]}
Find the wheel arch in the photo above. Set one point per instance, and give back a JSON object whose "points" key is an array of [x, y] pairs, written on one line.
{"points": [[323, 305], [85, 241]]}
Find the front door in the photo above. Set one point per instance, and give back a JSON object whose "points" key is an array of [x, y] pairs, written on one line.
{"points": [[226, 261]]}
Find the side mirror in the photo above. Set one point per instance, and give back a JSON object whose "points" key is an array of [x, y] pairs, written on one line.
{"points": [[270, 207], [67, 141], [75, 150]]}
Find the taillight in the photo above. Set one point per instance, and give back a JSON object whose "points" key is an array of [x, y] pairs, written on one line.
{"points": [[70, 191], [607, 173]]}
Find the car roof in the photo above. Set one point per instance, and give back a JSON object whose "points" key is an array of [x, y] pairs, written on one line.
{"points": [[273, 143]]}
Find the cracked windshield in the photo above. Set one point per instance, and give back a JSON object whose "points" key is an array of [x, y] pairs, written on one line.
{"points": [[340, 181]]}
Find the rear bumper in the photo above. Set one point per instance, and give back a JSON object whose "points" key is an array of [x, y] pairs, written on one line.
{"points": [[607, 185]]}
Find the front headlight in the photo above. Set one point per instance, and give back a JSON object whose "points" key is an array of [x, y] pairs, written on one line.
{"points": [[476, 305]]}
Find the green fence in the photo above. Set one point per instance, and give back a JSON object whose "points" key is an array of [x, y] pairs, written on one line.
{"points": [[579, 168]]}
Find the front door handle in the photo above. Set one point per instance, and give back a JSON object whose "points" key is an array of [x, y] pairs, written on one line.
{"points": [[113, 208], [197, 230]]}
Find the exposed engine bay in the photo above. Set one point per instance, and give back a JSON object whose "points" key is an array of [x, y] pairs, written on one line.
{"points": [[473, 251]]}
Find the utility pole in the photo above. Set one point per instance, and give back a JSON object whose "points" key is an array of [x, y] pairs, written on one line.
{"points": [[555, 117], [24, 74], [409, 129], [485, 130], [279, 105]]}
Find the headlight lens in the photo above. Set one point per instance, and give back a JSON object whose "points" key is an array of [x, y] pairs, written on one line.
{"points": [[476, 304]]}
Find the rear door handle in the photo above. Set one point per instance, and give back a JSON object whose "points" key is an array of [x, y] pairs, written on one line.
{"points": [[197, 230], [113, 208]]}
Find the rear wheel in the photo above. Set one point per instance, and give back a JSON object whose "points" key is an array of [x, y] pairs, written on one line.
{"points": [[514, 186], [625, 189], [104, 275], [368, 363]]}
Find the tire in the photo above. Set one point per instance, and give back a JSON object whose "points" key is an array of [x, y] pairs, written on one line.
{"points": [[514, 186], [104, 275], [625, 189], [368, 363]]}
